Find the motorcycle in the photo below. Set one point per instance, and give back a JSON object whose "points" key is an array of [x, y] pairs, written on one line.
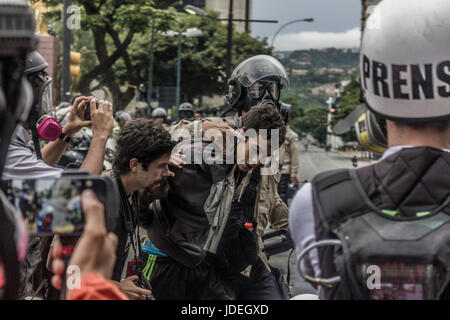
{"points": [[283, 244], [79, 147]]}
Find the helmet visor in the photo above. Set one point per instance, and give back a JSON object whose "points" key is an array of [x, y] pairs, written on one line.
{"points": [[259, 67], [46, 96]]}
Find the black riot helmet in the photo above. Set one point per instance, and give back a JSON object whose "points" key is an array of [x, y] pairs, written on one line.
{"points": [[256, 80], [17, 39], [40, 82], [186, 111]]}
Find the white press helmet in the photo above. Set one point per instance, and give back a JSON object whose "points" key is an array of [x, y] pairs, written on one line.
{"points": [[405, 60]]}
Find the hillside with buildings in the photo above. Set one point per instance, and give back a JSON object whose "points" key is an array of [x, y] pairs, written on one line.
{"points": [[317, 74]]}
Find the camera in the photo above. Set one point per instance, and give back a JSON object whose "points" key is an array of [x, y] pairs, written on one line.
{"points": [[53, 206], [87, 113]]}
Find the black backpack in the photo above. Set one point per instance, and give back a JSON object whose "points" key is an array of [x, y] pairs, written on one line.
{"points": [[380, 256]]}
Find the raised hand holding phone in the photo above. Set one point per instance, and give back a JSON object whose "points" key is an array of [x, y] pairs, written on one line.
{"points": [[95, 250]]}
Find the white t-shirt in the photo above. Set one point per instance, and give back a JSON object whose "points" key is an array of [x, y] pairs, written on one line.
{"points": [[302, 226], [21, 163]]}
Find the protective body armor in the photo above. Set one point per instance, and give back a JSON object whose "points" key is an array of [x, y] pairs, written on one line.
{"points": [[408, 250]]}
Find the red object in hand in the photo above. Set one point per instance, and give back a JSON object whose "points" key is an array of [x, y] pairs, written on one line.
{"points": [[131, 268], [67, 250], [248, 226]]}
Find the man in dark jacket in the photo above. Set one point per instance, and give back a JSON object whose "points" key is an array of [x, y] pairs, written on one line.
{"points": [[185, 229]]}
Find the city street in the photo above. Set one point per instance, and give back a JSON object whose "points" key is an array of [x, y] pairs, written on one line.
{"points": [[314, 161]]}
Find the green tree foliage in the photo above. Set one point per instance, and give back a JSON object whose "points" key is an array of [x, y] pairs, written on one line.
{"points": [[314, 121], [115, 44], [113, 25], [327, 58], [289, 97], [202, 58], [317, 63], [350, 99]]}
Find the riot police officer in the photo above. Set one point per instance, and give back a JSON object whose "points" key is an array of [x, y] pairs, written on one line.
{"points": [[159, 115], [256, 81], [186, 111]]}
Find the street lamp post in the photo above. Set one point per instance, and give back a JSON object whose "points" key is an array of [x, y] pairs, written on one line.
{"points": [[65, 73], [152, 57], [150, 71], [178, 70], [286, 24], [230, 39], [190, 32]]}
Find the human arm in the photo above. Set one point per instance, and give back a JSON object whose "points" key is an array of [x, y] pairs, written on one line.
{"points": [[132, 291], [94, 253], [53, 151], [96, 287], [294, 154], [277, 211], [102, 125], [21, 163], [302, 229]]}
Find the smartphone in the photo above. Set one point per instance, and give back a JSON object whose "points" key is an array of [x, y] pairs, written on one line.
{"points": [[53, 206], [87, 113]]}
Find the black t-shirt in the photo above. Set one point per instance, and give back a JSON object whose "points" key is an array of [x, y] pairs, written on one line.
{"points": [[124, 241]]}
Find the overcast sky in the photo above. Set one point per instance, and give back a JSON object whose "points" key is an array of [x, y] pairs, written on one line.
{"points": [[336, 23]]}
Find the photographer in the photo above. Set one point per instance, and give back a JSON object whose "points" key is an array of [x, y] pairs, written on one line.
{"points": [[25, 162], [22, 162], [15, 103], [142, 159]]}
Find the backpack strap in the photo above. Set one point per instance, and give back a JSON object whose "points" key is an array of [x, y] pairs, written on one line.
{"points": [[339, 195]]}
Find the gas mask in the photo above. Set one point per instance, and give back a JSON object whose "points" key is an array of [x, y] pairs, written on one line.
{"points": [[283, 108], [266, 92], [259, 92], [255, 81]]}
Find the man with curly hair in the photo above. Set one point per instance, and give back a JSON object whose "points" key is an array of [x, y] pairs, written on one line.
{"points": [[141, 162]]}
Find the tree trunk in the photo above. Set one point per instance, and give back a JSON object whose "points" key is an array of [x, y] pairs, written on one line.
{"points": [[104, 70]]}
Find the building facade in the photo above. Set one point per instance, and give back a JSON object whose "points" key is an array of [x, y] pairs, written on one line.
{"points": [[242, 9]]}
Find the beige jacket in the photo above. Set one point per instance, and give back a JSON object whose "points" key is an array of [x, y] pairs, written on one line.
{"points": [[290, 147], [269, 210]]}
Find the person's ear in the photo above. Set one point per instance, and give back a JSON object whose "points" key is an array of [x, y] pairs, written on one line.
{"points": [[134, 164]]}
